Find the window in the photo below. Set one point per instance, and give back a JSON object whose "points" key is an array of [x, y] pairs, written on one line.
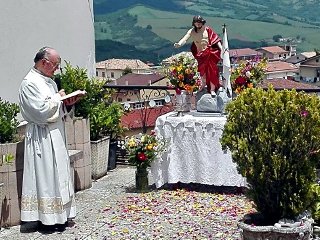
{"points": [[103, 74], [317, 60], [138, 105], [119, 99], [112, 74], [159, 103], [97, 74]]}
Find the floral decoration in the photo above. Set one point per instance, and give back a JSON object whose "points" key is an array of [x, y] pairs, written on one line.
{"points": [[183, 74], [248, 74], [143, 148]]}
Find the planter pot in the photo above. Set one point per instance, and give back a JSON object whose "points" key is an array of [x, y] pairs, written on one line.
{"points": [[142, 182], [112, 163], [1, 198], [11, 177], [249, 231], [99, 157], [78, 138]]}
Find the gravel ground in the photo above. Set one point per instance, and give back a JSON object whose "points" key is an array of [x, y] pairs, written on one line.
{"points": [[111, 209]]}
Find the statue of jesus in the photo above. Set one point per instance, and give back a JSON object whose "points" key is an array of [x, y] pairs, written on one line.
{"points": [[206, 49]]}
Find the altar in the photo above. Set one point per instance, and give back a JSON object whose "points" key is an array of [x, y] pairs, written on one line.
{"points": [[194, 153]]}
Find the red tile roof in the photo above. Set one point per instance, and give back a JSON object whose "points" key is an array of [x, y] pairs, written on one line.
{"points": [[243, 52], [273, 49], [288, 84], [132, 79], [278, 66], [121, 64], [133, 119]]}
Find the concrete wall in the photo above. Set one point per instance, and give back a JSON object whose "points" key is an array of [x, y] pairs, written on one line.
{"points": [[26, 26]]}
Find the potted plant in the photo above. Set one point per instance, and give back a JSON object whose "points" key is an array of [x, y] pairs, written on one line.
{"points": [[274, 138], [104, 124], [11, 162], [104, 117], [78, 127], [114, 128], [142, 150]]}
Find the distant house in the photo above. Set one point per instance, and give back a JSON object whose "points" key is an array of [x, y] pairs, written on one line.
{"points": [[291, 48], [243, 54], [274, 53], [145, 105], [300, 57], [135, 79], [310, 69], [113, 68], [280, 69]]}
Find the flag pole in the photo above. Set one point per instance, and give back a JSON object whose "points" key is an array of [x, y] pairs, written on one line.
{"points": [[226, 73]]}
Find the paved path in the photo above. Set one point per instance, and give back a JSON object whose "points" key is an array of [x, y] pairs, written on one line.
{"points": [[111, 209]]}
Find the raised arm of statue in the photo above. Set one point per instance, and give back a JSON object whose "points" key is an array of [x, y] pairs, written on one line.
{"points": [[183, 40]]}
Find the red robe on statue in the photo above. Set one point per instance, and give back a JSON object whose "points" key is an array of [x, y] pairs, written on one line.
{"points": [[208, 60]]}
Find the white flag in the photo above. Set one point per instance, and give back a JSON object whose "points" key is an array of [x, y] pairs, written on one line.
{"points": [[226, 61]]}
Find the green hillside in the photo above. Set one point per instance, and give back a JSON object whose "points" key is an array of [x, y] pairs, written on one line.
{"points": [[153, 31], [172, 26]]}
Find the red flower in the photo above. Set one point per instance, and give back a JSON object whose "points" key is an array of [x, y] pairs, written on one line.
{"points": [[141, 157], [240, 80]]}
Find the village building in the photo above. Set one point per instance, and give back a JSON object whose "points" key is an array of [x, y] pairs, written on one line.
{"points": [[114, 68], [281, 69], [274, 53], [309, 69]]}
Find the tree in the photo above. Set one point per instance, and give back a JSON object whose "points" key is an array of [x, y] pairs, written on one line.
{"points": [[127, 70], [276, 38]]}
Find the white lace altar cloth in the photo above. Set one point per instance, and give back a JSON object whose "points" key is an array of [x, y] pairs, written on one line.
{"points": [[194, 153]]}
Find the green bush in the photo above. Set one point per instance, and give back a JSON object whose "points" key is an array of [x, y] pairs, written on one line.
{"points": [[274, 138], [105, 117], [106, 120], [74, 78], [8, 121]]}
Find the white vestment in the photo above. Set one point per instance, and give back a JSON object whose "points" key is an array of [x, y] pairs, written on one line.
{"points": [[47, 188]]}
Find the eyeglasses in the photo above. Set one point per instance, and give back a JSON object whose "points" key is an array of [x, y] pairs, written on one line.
{"points": [[55, 65]]}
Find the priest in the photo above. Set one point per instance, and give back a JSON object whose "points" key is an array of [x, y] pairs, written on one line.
{"points": [[47, 188]]}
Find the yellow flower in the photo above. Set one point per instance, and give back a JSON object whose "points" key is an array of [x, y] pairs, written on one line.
{"points": [[149, 146], [132, 142]]}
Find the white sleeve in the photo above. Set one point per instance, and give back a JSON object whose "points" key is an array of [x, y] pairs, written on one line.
{"points": [[35, 107]]}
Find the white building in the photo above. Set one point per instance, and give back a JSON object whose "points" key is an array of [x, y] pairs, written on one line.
{"points": [[113, 68], [28, 25]]}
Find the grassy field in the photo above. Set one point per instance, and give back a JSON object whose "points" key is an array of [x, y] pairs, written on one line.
{"points": [[172, 26]]}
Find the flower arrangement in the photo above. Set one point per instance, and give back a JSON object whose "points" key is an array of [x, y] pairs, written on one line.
{"points": [[183, 74], [248, 74], [143, 148]]}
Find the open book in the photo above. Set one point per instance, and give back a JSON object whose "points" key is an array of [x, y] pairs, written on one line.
{"points": [[73, 94]]}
